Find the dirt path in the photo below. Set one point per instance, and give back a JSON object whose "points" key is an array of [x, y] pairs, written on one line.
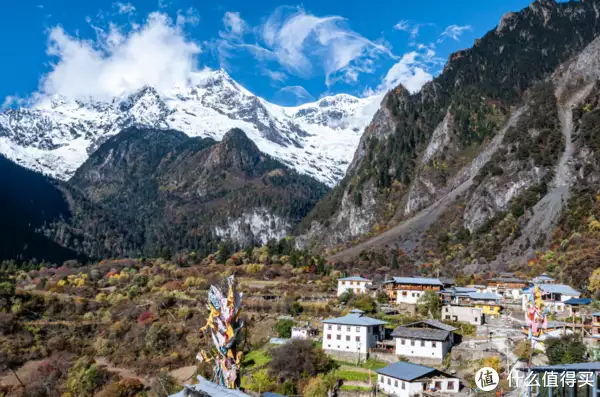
{"points": [[184, 374], [122, 372]]}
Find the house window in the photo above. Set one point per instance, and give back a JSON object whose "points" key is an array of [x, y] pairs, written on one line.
{"points": [[447, 310], [403, 386], [343, 283], [447, 317], [339, 328], [339, 337], [422, 343], [329, 326], [450, 385], [438, 385], [348, 338], [395, 383], [358, 338], [348, 329], [404, 293], [412, 342], [381, 378], [403, 341], [433, 344], [476, 320], [357, 329], [389, 381], [328, 336]]}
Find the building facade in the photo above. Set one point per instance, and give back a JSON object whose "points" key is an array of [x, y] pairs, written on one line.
{"points": [[405, 379], [353, 333], [467, 314], [356, 284], [410, 289], [429, 339]]}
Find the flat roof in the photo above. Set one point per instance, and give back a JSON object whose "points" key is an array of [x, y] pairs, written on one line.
{"points": [[484, 296]]}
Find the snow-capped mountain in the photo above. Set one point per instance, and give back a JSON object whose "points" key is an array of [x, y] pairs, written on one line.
{"points": [[56, 135]]}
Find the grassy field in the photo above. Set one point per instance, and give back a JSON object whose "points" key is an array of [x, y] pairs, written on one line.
{"points": [[354, 388], [256, 358]]}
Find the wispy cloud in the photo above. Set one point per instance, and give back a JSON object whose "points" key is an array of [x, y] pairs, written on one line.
{"points": [[124, 8], [293, 95], [274, 75], [303, 44], [454, 32], [410, 27]]}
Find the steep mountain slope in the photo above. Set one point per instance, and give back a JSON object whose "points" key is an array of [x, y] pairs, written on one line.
{"points": [[456, 170], [57, 135], [186, 193], [46, 220]]}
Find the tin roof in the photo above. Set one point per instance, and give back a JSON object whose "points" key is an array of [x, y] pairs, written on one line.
{"points": [[208, 388], [484, 296], [407, 371], [421, 333], [432, 323], [417, 281], [354, 278], [355, 319], [556, 289]]}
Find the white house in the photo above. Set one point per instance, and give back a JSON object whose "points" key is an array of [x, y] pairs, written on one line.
{"points": [[352, 333], [410, 289], [303, 332], [356, 284], [425, 339], [554, 295], [467, 314], [405, 379]]}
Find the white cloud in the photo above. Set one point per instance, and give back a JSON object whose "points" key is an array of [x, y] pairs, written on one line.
{"points": [[124, 8], [454, 32], [156, 54], [234, 24], [413, 71]]}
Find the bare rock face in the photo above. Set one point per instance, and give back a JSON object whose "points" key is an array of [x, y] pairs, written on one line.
{"points": [[507, 22]]}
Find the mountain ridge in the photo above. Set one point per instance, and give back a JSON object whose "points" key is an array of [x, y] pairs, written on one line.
{"points": [[57, 134]]}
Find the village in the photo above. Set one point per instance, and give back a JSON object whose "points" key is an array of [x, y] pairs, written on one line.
{"points": [[462, 329]]}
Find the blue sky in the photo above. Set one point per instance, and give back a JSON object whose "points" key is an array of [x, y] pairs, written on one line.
{"points": [[285, 52]]}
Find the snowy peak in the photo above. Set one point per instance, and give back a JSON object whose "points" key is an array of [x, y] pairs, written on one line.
{"points": [[58, 134]]}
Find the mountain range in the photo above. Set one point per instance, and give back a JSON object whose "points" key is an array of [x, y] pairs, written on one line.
{"points": [[56, 135], [489, 164]]}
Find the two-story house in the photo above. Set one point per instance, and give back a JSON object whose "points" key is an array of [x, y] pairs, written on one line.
{"points": [[430, 339], [352, 333], [356, 284], [410, 289]]}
